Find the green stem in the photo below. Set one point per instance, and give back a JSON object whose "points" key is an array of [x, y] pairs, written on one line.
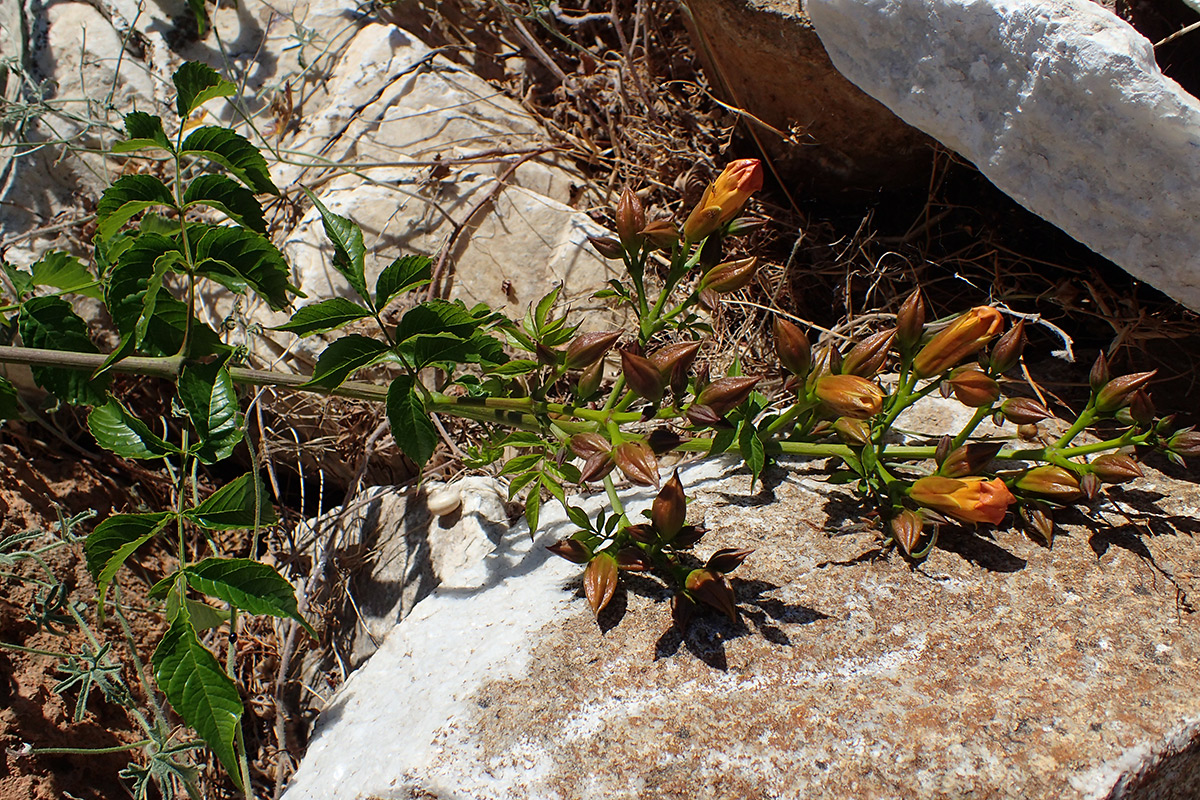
{"points": [[980, 414], [86, 751], [1085, 418]]}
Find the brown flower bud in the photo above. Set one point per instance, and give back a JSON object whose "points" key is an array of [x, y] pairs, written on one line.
{"points": [[688, 536], [905, 529], [642, 376], [973, 388], [1052, 482], [589, 380], [1100, 373], [674, 361], [942, 451], [1027, 432], [1185, 443], [964, 337], [910, 321], [638, 462], [1039, 521], [1089, 484], [705, 417], [1116, 468], [663, 440], [596, 468], [1024, 411], [850, 396], [1141, 408], [607, 246], [632, 559], [868, 356], [571, 549], [730, 276], [855, 432], [631, 218], [682, 609], [709, 300], [546, 356], [1118, 393], [711, 588], [586, 445], [727, 560], [600, 581], [792, 347], [643, 532], [669, 508], [588, 348], [970, 459], [661, 233], [726, 394], [1007, 352]]}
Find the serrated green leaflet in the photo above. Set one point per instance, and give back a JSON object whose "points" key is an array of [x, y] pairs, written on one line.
{"points": [[234, 153], [349, 252], [436, 316], [196, 84], [126, 197], [206, 391], [63, 271], [233, 506], [324, 316], [521, 463], [154, 292], [517, 366], [204, 617], [752, 450], [198, 689], [448, 349], [200, 12], [239, 258], [10, 408], [50, 323], [344, 357], [230, 198], [249, 585], [533, 505], [116, 429], [144, 130], [402, 275], [114, 540], [125, 288], [411, 425]]}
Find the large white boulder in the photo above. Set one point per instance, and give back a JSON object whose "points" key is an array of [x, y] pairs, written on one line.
{"points": [[1058, 102], [998, 668]]}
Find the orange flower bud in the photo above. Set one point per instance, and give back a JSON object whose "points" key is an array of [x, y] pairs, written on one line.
{"points": [[964, 499], [964, 337], [669, 508], [850, 396], [1052, 482], [631, 218], [730, 276], [588, 348], [792, 347], [724, 198], [868, 356], [973, 388], [853, 431]]}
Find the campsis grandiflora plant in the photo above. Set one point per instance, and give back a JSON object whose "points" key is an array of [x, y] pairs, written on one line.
{"points": [[558, 407]]}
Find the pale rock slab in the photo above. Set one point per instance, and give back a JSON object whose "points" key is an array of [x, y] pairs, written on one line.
{"points": [[998, 668], [1059, 103]]}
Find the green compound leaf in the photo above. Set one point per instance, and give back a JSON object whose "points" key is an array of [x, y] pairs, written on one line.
{"points": [[344, 357], [196, 84], [206, 391], [118, 430], [229, 197], [126, 197], [412, 427], [327, 315], [233, 152], [232, 506], [145, 131], [238, 258], [198, 689], [50, 323], [402, 275], [114, 540], [10, 408], [64, 271], [349, 252], [249, 585]]}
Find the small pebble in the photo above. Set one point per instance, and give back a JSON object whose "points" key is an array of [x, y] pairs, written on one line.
{"points": [[443, 501]]}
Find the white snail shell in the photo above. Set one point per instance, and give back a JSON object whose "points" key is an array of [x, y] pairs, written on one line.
{"points": [[443, 501]]}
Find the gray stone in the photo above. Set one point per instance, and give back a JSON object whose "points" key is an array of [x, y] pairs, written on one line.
{"points": [[1059, 103], [997, 668], [763, 56]]}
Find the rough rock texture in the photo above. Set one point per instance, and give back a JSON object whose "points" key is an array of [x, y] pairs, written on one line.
{"points": [[1060, 104], [764, 56], [997, 668]]}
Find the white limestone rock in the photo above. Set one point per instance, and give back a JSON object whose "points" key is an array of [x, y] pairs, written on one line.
{"points": [[1058, 102]]}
